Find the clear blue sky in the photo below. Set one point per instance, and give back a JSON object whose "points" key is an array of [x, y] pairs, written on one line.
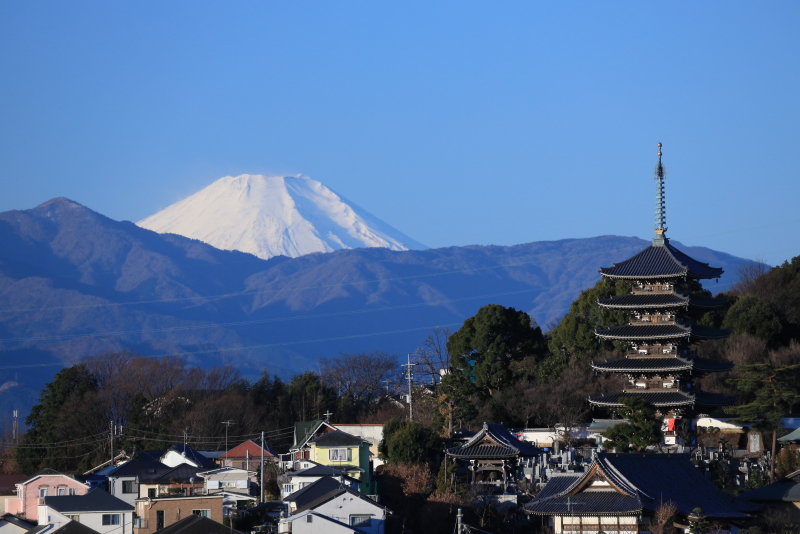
{"points": [[456, 122]]}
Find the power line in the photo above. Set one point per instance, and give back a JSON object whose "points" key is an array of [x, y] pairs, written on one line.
{"points": [[262, 321]]}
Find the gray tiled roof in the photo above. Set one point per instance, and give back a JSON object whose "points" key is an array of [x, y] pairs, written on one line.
{"points": [[195, 524], [645, 332], [665, 399], [95, 501], [643, 482], [503, 445], [794, 435], [643, 365], [785, 489], [656, 398], [337, 438], [660, 261], [131, 468], [656, 364], [642, 301]]}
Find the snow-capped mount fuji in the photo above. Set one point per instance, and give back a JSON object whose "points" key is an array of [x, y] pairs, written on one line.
{"points": [[276, 215]]}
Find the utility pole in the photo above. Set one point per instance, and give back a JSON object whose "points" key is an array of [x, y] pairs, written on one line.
{"points": [[15, 428], [459, 518], [227, 425], [262, 467], [409, 377], [387, 385]]}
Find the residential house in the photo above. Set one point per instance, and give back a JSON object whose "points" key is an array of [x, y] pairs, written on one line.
{"points": [[197, 524], [305, 431], [372, 433], [11, 524], [311, 522], [292, 481], [247, 456], [184, 454], [122, 482], [70, 527], [97, 509], [328, 497], [623, 492], [153, 514], [182, 479], [233, 484], [347, 453], [8, 488], [45, 483]]}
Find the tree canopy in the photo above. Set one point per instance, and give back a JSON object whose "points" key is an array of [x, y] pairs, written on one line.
{"points": [[487, 344], [642, 429]]}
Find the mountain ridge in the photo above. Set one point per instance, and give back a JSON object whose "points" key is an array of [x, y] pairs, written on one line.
{"points": [[74, 283]]}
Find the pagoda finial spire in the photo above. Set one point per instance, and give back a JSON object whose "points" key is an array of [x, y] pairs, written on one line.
{"points": [[661, 211]]}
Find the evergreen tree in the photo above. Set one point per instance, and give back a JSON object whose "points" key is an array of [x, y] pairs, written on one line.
{"points": [[487, 344], [50, 441], [771, 391], [750, 315], [641, 430], [575, 333]]}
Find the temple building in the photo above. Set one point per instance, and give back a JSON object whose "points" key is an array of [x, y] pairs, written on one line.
{"points": [[660, 363]]}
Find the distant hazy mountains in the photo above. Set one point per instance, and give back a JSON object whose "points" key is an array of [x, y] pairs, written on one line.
{"points": [[75, 283], [276, 216]]}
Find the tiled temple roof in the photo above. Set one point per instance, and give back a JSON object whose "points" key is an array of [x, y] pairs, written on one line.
{"points": [[502, 445], [645, 332], [657, 364], [643, 301], [640, 482], [660, 261], [664, 399]]}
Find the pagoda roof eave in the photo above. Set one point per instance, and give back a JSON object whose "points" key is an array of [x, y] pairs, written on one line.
{"points": [[661, 261], [652, 332], [659, 399], [651, 364], [659, 301]]}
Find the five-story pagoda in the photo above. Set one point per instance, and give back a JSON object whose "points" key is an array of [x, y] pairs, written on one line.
{"points": [[660, 363]]}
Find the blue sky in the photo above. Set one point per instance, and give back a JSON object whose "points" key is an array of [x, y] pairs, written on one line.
{"points": [[456, 122]]}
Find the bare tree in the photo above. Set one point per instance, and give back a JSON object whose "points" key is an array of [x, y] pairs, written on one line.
{"points": [[748, 273], [662, 519], [359, 376], [432, 357]]}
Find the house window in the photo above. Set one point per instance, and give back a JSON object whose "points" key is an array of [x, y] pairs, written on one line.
{"points": [[73, 491], [75, 518], [337, 455], [110, 519], [42, 493], [151, 492], [127, 486], [360, 520], [309, 518], [287, 488], [202, 513], [61, 491]]}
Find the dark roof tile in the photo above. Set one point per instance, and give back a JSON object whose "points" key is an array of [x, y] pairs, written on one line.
{"points": [[95, 501], [660, 261]]}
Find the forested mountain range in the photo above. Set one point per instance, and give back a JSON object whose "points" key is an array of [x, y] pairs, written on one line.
{"points": [[75, 283]]}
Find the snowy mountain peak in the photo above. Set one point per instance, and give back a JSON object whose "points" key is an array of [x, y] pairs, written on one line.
{"points": [[275, 215]]}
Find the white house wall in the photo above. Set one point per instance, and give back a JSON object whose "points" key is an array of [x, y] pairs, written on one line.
{"points": [[93, 520], [115, 489]]}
